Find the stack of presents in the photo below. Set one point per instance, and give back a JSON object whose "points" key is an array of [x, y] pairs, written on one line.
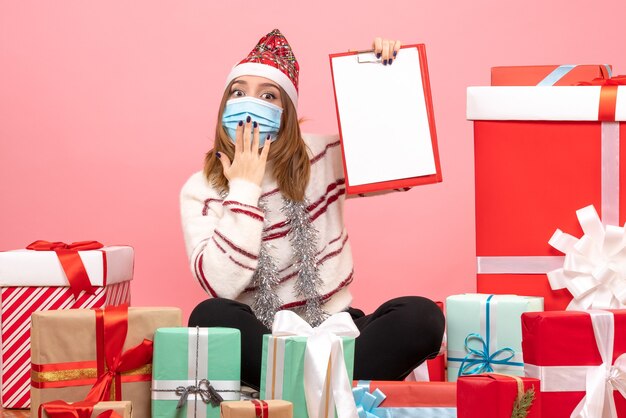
{"points": [[544, 337]]}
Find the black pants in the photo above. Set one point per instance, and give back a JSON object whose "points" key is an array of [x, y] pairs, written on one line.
{"points": [[395, 339]]}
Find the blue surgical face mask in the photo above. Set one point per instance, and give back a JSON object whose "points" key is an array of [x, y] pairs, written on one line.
{"points": [[266, 114]]}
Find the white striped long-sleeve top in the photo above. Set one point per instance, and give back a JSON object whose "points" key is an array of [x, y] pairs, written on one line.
{"points": [[223, 235]]}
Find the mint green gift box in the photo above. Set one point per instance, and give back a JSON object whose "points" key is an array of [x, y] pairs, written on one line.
{"points": [[485, 333], [282, 369], [183, 357]]}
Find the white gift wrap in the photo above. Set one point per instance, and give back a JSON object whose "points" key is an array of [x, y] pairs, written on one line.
{"points": [[558, 103], [43, 268]]}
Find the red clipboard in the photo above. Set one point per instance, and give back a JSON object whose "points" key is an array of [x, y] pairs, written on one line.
{"points": [[403, 182]]}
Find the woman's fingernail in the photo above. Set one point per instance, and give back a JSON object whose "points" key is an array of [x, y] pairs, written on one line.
{"points": [[385, 62], [269, 137], [390, 61], [378, 55], [218, 155], [240, 122], [395, 53], [248, 119], [254, 124]]}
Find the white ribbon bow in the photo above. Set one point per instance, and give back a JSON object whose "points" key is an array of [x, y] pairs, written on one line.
{"points": [[594, 270], [323, 360], [603, 379]]}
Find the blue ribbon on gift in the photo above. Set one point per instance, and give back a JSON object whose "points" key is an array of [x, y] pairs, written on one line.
{"points": [[366, 401], [480, 360]]}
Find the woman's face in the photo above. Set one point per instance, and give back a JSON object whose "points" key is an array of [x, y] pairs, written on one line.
{"points": [[256, 86]]}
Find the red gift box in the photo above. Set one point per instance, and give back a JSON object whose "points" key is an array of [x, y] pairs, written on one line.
{"points": [[555, 75], [493, 395], [35, 281], [561, 348], [540, 155]]}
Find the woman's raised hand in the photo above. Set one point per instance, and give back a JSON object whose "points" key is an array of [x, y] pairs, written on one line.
{"points": [[248, 163], [386, 49]]}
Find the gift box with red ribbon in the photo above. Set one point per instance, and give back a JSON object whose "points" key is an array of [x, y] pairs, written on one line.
{"points": [[61, 409], [393, 399], [95, 355], [580, 358], [494, 395], [257, 409], [541, 154], [49, 276]]}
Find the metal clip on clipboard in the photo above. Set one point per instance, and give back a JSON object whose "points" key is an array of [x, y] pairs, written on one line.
{"points": [[366, 55]]}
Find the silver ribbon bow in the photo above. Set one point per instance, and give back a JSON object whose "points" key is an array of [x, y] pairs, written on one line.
{"points": [[207, 393]]}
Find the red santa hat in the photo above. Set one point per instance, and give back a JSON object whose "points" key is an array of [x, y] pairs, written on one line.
{"points": [[271, 58]]}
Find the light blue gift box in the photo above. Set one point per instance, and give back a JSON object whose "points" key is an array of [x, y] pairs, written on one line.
{"points": [[485, 333]]}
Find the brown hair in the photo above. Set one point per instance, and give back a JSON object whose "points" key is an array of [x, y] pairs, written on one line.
{"points": [[288, 152]]}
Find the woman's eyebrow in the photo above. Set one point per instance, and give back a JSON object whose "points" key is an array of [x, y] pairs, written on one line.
{"points": [[262, 84]]}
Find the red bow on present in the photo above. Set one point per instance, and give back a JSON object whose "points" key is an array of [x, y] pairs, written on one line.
{"points": [[111, 330], [608, 94], [71, 262], [62, 409]]}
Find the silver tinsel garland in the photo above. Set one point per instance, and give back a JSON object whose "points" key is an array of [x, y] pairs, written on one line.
{"points": [[303, 237], [265, 278]]}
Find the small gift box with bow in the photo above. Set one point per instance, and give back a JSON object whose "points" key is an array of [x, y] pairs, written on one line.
{"points": [[494, 395], [580, 358], [380, 399], [194, 370], [95, 355], [485, 334], [49, 276], [61, 409], [257, 409], [310, 367], [541, 153]]}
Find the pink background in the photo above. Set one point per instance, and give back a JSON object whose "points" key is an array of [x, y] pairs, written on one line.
{"points": [[107, 107]]}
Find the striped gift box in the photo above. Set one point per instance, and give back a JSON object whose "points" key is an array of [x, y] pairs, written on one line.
{"points": [[33, 281]]}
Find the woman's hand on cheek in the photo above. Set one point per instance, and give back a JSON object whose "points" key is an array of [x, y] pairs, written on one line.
{"points": [[248, 163], [386, 49]]}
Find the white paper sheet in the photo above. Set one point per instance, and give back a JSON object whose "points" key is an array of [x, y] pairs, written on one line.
{"points": [[384, 123]]}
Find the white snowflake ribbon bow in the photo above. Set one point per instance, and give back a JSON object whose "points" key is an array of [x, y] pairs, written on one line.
{"points": [[594, 271]]}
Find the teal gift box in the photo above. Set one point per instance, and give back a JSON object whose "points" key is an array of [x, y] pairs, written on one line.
{"points": [[485, 333], [189, 366], [282, 369]]}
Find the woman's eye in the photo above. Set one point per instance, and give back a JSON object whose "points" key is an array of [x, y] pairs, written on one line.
{"points": [[235, 93], [268, 96]]}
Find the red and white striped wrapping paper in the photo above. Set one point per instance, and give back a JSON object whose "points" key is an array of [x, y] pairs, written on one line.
{"points": [[17, 303]]}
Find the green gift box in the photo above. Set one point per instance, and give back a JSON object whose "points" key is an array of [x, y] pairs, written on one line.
{"points": [[190, 366], [282, 369], [485, 333]]}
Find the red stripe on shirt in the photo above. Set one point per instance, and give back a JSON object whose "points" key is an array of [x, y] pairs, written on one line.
{"points": [[231, 257], [234, 202], [295, 273], [204, 279], [205, 209], [328, 202], [334, 253], [329, 188], [235, 247], [248, 213], [325, 297], [323, 153]]}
